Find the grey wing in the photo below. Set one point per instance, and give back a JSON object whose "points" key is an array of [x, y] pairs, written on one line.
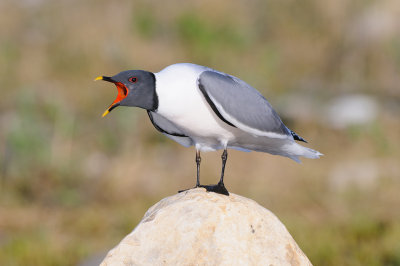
{"points": [[240, 105], [169, 129]]}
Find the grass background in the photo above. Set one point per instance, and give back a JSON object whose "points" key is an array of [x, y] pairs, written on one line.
{"points": [[73, 184]]}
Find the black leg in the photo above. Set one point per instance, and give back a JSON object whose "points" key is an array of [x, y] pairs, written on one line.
{"points": [[224, 157], [198, 161], [220, 187]]}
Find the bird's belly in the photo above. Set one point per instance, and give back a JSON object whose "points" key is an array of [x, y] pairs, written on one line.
{"points": [[207, 133], [201, 124]]}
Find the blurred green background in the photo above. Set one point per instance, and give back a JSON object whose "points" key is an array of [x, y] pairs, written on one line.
{"points": [[73, 184]]}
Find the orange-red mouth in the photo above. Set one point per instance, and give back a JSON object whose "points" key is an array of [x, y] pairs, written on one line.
{"points": [[122, 93]]}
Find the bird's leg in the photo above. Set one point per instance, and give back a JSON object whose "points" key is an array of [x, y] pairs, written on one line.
{"points": [[224, 157], [198, 161], [220, 187]]}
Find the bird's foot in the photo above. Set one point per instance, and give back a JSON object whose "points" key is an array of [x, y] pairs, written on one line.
{"points": [[218, 188]]}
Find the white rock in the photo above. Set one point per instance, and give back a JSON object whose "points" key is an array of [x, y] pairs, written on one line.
{"points": [[200, 228]]}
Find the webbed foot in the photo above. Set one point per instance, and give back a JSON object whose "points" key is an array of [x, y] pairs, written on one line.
{"points": [[218, 188]]}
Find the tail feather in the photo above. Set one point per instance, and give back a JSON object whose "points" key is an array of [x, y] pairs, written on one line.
{"points": [[294, 151], [283, 147]]}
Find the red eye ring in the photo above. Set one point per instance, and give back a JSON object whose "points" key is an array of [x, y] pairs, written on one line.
{"points": [[132, 79]]}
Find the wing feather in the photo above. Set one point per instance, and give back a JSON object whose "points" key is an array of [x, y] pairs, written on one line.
{"points": [[240, 105]]}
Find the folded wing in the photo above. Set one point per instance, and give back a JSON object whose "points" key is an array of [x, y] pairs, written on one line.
{"points": [[240, 105]]}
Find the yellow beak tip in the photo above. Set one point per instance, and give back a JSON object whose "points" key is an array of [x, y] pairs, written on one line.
{"points": [[105, 113], [99, 78]]}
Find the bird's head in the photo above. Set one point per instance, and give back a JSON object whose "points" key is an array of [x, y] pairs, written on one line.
{"points": [[135, 88]]}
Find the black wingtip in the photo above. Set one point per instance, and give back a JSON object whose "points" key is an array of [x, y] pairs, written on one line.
{"points": [[297, 137]]}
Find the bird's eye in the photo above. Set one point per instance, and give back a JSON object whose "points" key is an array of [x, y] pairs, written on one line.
{"points": [[132, 79]]}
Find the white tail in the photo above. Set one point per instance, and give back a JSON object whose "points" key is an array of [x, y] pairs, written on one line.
{"points": [[294, 151]]}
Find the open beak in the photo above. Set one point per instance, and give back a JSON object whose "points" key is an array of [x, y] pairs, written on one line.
{"points": [[122, 93]]}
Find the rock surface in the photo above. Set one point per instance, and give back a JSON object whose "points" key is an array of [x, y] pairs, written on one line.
{"points": [[200, 228]]}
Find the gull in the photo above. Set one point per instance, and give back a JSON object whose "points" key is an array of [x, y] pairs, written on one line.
{"points": [[198, 106]]}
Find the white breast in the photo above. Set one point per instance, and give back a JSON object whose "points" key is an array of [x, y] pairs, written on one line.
{"points": [[181, 102]]}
